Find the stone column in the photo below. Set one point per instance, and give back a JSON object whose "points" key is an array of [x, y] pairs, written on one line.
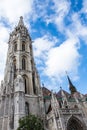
{"points": [[19, 100]]}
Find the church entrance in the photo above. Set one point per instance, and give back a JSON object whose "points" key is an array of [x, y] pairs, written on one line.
{"points": [[74, 124]]}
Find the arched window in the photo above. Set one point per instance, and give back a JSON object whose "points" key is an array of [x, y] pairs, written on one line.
{"points": [[23, 46], [60, 104], [86, 99], [15, 47], [75, 106], [34, 86], [74, 124], [65, 104], [26, 108], [14, 65], [26, 84], [23, 64]]}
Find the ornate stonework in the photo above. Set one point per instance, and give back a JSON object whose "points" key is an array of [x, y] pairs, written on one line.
{"points": [[67, 111], [21, 92]]}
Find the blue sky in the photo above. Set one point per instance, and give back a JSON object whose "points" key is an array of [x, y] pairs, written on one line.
{"points": [[58, 29]]}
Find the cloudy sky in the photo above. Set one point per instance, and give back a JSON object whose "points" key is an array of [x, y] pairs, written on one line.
{"points": [[58, 29]]}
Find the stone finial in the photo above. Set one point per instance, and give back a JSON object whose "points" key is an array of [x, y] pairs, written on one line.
{"points": [[21, 23]]}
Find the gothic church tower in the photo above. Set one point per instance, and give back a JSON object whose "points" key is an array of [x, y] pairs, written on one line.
{"points": [[20, 93]]}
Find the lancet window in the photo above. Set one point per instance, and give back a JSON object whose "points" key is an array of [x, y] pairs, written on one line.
{"points": [[23, 63], [26, 108], [14, 65], [23, 46], [74, 124], [26, 84], [15, 47]]}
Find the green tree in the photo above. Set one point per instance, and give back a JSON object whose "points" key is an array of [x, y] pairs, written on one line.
{"points": [[30, 122]]}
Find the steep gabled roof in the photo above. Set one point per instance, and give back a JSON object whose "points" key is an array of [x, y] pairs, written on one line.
{"points": [[59, 94], [85, 95], [46, 92]]}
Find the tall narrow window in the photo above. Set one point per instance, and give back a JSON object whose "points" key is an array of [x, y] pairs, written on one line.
{"points": [[26, 108], [15, 47], [33, 80], [25, 85], [23, 46], [23, 64], [14, 65]]}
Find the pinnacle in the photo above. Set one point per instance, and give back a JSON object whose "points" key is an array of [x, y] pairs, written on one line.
{"points": [[71, 86], [21, 23]]}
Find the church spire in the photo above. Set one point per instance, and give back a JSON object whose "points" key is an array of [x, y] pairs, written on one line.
{"points": [[21, 23], [72, 88]]}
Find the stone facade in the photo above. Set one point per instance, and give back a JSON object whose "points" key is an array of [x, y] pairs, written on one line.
{"points": [[21, 92], [67, 111]]}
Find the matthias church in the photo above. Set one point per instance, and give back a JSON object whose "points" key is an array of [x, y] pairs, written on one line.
{"points": [[21, 92]]}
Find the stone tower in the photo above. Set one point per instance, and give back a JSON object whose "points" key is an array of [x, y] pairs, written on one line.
{"points": [[21, 92]]}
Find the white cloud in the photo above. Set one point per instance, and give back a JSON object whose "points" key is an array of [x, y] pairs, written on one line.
{"points": [[78, 28], [4, 33], [66, 57], [43, 45], [54, 60], [63, 58], [84, 9], [40, 9], [3, 48], [61, 9], [13, 9]]}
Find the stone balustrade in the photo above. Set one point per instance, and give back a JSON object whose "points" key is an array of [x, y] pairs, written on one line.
{"points": [[70, 111]]}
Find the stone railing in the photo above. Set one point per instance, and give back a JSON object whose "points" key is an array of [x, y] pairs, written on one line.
{"points": [[70, 111]]}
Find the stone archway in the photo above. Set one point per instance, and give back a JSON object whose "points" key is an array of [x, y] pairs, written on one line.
{"points": [[74, 124]]}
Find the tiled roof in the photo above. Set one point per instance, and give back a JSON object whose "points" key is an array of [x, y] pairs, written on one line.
{"points": [[46, 92], [60, 95]]}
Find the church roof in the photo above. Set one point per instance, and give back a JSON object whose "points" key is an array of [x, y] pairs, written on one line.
{"points": [[46, 92], [85, 95], [59, 94]]}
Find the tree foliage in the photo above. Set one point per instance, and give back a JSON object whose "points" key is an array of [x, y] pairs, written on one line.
{"points": [[30, 122]]}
